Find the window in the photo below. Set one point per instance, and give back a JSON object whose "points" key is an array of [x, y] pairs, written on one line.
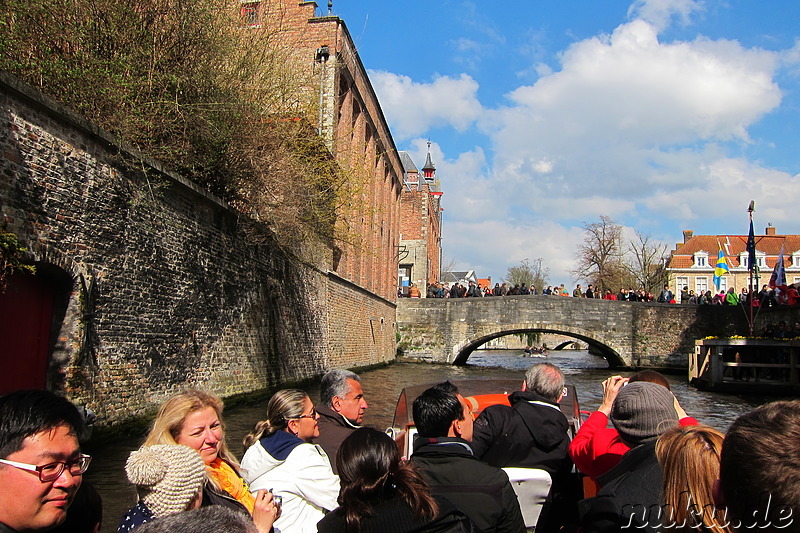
{"points": [[700, 285], [250, 14], [682, 281], [723, 283], [701, 259]]}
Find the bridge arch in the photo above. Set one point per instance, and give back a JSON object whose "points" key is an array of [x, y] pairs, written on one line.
{"points": [[463, 350]]}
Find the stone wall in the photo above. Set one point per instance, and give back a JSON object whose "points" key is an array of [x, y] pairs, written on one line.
{"points": [[180, 297], [636, 335]]}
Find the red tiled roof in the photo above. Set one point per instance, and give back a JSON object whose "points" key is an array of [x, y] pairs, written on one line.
{"points": [[734, 245]]}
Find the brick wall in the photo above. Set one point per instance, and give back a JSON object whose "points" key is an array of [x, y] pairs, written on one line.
{"points": [[182, 298]]}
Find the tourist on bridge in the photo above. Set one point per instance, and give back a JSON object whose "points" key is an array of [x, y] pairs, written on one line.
{"points": [[666, 296], [41, 464], [341, 411], [577, 293], [590, 291], [381, 493], [281, 457], [630, 493], [443, 453], [596, 448]]}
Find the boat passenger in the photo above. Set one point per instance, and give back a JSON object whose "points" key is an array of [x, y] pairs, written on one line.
{"points": [[689, 459], [382, 494], [630, 493], [169, 479], [194, 418], [596, 448], [443, 454], [532, 433], [280, 456], [41, 465], [758, 472], [341, 411]]}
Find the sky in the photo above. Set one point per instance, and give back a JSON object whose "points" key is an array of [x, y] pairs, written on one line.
{"points": [[543, 116]]}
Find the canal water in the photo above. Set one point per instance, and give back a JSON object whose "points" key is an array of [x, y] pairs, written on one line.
{"points": [[382, 387]]}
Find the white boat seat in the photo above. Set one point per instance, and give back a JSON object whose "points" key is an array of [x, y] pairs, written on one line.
{"points": [[532, 486]]}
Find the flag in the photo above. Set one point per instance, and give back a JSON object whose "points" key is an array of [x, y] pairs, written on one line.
{"points": [[778, 276], [751, 249], [721, 268]]}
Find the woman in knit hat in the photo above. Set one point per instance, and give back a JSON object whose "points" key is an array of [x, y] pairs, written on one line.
{"points": [[169, 479]]}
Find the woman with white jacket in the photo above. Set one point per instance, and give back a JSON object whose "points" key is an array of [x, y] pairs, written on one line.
{"points": [[281, 458]]}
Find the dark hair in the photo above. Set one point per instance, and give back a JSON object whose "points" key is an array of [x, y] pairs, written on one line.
{"points": [[650, 376], [211, 519], [434, 410], [370, 471], [28, 412], [760, 458]]}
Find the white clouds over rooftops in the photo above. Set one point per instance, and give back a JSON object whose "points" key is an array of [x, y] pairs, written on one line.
{"points": [[413, 108]]}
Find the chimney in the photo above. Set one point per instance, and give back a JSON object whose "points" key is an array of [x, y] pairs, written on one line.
{"points": [[687, 234], [770, 229]]}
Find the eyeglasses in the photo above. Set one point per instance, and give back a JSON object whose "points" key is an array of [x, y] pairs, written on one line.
{"points": [[312, 414], [52, 471]]}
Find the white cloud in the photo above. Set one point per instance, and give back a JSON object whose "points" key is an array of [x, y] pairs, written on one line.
{"points": [[413, 108], [661, 12]]}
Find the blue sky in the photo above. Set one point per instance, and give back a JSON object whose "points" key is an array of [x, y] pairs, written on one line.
{"points": [[544, 115]]}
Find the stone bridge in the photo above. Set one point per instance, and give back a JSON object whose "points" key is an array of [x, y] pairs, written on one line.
{"points": [[627, 334]]}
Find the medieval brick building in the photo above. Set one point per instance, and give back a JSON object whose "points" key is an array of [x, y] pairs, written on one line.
{"points": [[352, 126], [420, 226]]}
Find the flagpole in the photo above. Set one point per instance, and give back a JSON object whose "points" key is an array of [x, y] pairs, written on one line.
{"points": [[751, 267]]}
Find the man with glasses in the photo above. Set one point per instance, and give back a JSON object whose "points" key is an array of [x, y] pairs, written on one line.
{"points": [[41, 465]]}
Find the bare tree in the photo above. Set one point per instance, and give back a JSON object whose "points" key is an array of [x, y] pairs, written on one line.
{"points": [[528, 274], [645, 261], [600, 255]]}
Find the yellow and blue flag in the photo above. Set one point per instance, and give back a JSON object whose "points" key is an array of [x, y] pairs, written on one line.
{"points": [[721, 268]]}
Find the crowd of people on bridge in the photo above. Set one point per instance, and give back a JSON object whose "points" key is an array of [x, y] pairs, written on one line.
{"points": [[766, 297], [315, 468]]}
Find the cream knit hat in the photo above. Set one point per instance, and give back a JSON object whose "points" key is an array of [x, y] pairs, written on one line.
{"points": [[167, 476]]}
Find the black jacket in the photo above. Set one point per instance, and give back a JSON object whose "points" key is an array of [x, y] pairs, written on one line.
{"points": [[481, 491], [528, 435], [630, 497], [395, 516]]}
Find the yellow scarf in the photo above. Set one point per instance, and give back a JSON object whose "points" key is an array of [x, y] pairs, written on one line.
{"points": [[231, 482]]}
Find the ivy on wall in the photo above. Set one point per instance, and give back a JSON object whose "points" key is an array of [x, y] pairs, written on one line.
{"points": [[12, 258]]}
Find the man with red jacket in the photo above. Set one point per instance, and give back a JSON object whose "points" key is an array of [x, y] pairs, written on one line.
{"points": [[596, 448]]}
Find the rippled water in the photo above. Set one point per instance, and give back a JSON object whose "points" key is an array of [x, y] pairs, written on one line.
{"points": [[382, 387]]}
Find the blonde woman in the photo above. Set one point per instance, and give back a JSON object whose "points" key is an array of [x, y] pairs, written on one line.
{"points": [[280, 457], [689, 459], [194, 418]]}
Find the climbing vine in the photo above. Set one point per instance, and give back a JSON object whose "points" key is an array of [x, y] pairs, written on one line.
{"points": [[12, 258]]}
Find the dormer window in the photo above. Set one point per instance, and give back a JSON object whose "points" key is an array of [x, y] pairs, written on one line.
{"points": [[701, 259], [796, 259], [760, 259]]}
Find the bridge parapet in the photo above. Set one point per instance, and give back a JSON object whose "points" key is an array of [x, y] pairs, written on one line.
{"points": [[627, 334]]}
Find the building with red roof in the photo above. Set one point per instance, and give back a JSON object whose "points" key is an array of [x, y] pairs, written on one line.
{"points": [[692, 262]]}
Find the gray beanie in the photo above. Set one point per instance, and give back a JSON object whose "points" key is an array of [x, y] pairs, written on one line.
{"points": [[642, 411], [167, 476]]}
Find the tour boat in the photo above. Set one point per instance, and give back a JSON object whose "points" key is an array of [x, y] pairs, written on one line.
{"points": [[532, 485]]}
